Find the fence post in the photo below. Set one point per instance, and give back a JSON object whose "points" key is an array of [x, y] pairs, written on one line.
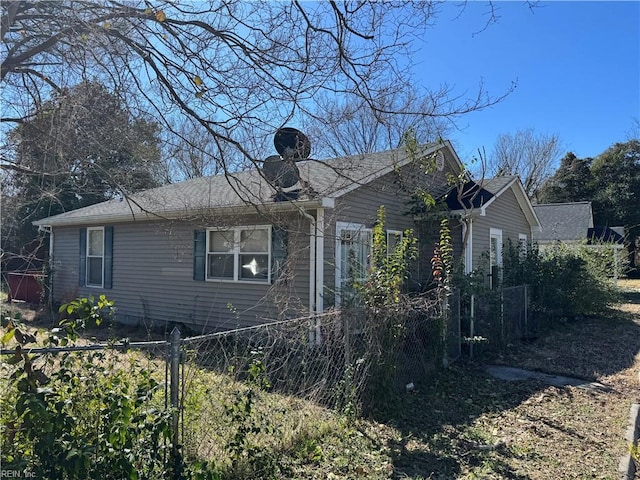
{"points": [[347, 354], [347, 346], [503, 334], [175, 385], [526, 310], [472, 333]]}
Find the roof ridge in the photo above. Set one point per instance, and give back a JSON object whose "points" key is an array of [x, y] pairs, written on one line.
{"points": [[582, 202]]}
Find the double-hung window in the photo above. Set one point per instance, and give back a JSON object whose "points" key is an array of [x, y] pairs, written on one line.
{"points": [[353, 259], [239, 254], [95, 257], [522, 246], [495, 257]]}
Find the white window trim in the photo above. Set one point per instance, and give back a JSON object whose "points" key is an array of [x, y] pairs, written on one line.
{"points": [[496, 233], [87, 257], [340, 226], [237, 253]]}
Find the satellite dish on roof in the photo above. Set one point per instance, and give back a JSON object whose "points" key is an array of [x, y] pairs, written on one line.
{"points": [[281, 172], [292, 143]]}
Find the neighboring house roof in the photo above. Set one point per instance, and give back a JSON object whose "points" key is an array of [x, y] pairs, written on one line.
{"points": [[477, 196], [322, 182], [565, 222], [597, 235]]}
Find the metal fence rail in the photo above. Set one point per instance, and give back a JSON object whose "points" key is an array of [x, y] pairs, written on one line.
{"points": [[305, 356], [328, 360], [104, 359]]}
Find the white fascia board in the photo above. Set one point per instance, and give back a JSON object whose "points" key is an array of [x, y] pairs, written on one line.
{"points": [[328, 202], [500, 192], [527, 208], [102, 219], [523, 202], [457, 160]]}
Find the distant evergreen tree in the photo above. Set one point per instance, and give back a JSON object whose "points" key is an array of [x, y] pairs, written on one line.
{"points": [[616, 186], [611, 182], [572, 182], [82, 147]]}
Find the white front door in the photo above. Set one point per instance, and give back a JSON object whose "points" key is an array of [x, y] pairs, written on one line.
{"points": [[353, 259]]}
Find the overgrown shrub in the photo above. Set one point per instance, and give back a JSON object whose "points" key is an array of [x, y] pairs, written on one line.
{"points": [[382, 307], [397, 331], [78, 415], [566, 281]]}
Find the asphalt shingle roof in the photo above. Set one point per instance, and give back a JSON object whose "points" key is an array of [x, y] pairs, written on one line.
{"points": [[478, 193], [564, 221], [496, 184], [330, 178]]}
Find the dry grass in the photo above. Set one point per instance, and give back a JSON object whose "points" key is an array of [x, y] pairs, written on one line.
{"points": [[468, 425], [462, 423]]}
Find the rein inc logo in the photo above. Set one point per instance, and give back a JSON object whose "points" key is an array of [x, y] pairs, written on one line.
{"points": [[17, 474]]}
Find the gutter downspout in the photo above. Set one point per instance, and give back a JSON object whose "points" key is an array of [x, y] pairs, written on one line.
{"points": [[312, 262], [49, 230], [467, 242], [319, 270]]}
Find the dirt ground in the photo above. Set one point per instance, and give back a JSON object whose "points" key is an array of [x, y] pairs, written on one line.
{"points": [[470, 426]]}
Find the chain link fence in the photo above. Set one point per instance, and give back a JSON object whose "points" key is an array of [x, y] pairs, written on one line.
{"points": [[310, 356], [338, 360], [88, 408], [205, 387], [496, 319], [305, 356]]}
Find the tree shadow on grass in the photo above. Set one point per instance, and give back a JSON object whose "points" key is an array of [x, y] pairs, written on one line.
{"points": [[440, 437], [630, 296], [589, 348]]}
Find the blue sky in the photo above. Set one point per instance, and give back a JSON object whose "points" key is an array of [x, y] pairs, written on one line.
{"points": [[577, 66]]}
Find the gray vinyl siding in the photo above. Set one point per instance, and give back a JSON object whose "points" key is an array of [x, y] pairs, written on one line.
{"points": [[504, 214], [153, 278], [65, 264], [153, 261], [361, 207]]}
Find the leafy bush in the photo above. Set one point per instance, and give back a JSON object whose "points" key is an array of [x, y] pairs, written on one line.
{"points": [[384, 308], [566, 281], [79, 415], [249, 458]]}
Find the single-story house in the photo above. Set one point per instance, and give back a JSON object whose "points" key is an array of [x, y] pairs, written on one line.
{"points": [[572, 224], [232, 250]]}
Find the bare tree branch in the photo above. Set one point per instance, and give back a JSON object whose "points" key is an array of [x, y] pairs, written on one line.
{"points": [[236, 68], [531, 156]]}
